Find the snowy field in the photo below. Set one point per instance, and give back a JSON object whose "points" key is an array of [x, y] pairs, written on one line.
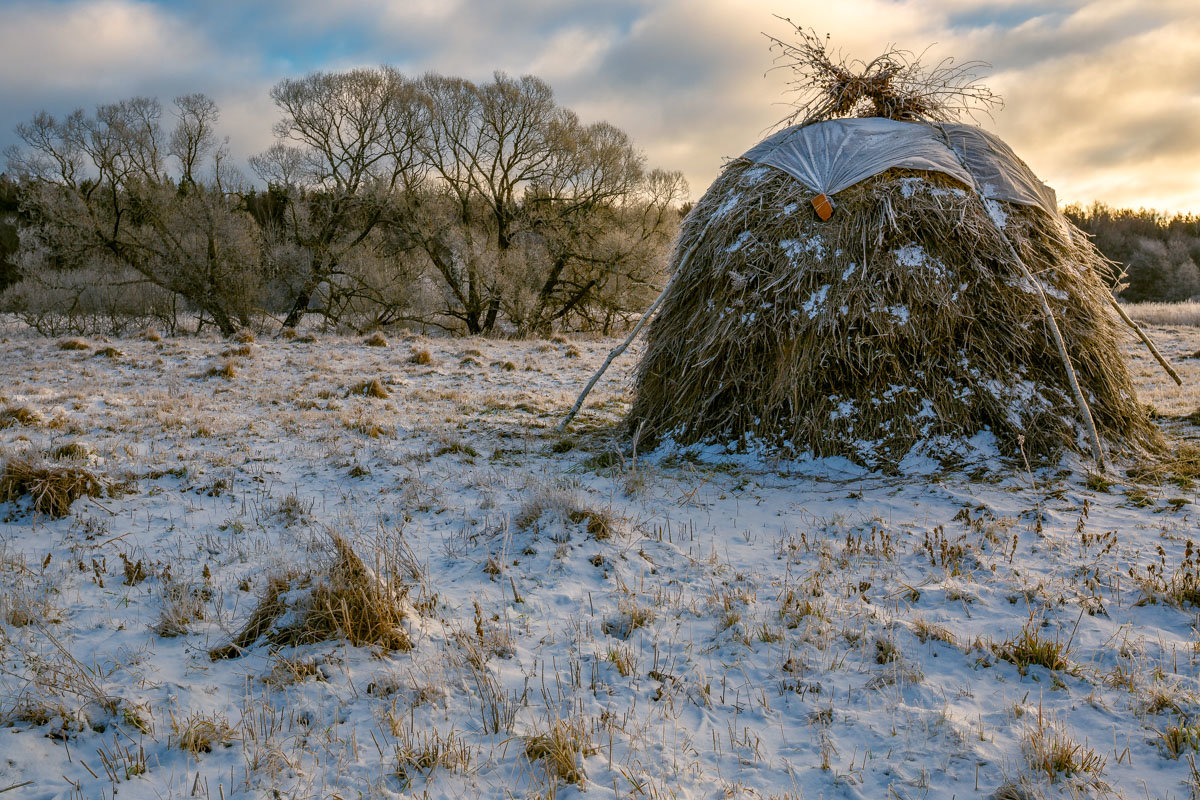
{"points": [[567, 621]]}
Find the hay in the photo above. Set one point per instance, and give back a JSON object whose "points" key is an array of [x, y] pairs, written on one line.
{"points": [[902, 323], [347, 601], [52, 488]]}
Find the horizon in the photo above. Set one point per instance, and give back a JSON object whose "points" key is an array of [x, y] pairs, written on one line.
{"points": [[1101, 98]]}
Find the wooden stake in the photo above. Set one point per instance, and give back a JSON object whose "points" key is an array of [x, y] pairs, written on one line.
{"points": [[1081, 404], [562, 426], [1145, 340]]}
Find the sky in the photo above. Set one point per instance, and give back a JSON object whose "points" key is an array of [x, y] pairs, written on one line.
{"points": [[1102, 97]]}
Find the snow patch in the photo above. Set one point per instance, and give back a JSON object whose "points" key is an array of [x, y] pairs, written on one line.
{"points": [[728, 205], [996, 211], [743, 238], [814, 302], [809, 245]]}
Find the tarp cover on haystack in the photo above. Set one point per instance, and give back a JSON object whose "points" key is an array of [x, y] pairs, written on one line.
{"points": [[828, 157]]}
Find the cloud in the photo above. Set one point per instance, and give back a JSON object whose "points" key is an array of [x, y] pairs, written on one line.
{"points": [[1102, 95]]}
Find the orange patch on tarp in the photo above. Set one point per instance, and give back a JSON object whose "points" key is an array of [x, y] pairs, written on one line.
{"points": [[823, 205]]}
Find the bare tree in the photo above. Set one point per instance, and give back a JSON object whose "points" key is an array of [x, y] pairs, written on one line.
{"points": [[194, 138], [100, 193], [347, 142], [605, 222]]}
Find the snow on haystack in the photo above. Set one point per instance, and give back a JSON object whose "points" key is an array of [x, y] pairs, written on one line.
{"points": [[910, 282]]}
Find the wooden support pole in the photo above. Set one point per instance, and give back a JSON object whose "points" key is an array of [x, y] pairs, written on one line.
{"points": [[1146, 340]]}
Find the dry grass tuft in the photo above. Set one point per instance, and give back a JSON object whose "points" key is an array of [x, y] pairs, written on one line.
{"points": [[1180, 738], [421, 357], [1179, 588], [371, 388], [376, 339], [561, 749], [152, 335], [197, 733], [74, 344], [1051, 751], [347, 600], [1179, 466], [52, 488], [631, 615], [1029, 647], [421, 752], [227, 370], [561, 507], [19, 415], [182, 604], [244, 336]]}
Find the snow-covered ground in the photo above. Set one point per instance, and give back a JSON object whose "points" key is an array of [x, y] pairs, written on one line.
{"points": [[675, 625]]}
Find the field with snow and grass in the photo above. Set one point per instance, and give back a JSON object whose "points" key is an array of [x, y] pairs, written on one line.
{"points": [[332, 567]]}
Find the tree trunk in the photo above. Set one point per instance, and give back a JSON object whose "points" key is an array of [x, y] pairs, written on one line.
{"points": [[298, 309], [222, 321], [489, 321]]}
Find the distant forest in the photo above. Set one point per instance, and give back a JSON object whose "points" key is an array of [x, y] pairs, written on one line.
{"points": [[1157, 253]]}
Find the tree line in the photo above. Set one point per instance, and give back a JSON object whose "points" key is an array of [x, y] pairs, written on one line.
{"points": [[476, 207], [1155, 255]]}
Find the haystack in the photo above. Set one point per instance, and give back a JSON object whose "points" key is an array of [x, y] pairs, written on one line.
{"points": [[878, 287]]}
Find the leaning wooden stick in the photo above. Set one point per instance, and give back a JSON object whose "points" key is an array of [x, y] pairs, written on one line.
{"points": [[612, 356], [1146, 341], [1081, 404], [562, 426]]}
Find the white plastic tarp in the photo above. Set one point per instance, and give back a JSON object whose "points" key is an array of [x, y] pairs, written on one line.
{"points": [[828, 157], [997, 171]]}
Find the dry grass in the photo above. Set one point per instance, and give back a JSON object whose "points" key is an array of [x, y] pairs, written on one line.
{"points": [[376, 340], [346, 600], [19, 415], [227, 370], [371, 388], [1180, 587], [182, 604], [1179, 738], [631, 615], [51, 487], [860, 336], [197, 733], [1179, 466], [555, 506], [71, 451], [1165, 313], [421, 752], [1029, 647], [561, 749], [1052, 752], [421, 357]]}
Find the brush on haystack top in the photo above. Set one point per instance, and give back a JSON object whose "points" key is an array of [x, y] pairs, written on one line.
{"points": [[875, 282]]}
